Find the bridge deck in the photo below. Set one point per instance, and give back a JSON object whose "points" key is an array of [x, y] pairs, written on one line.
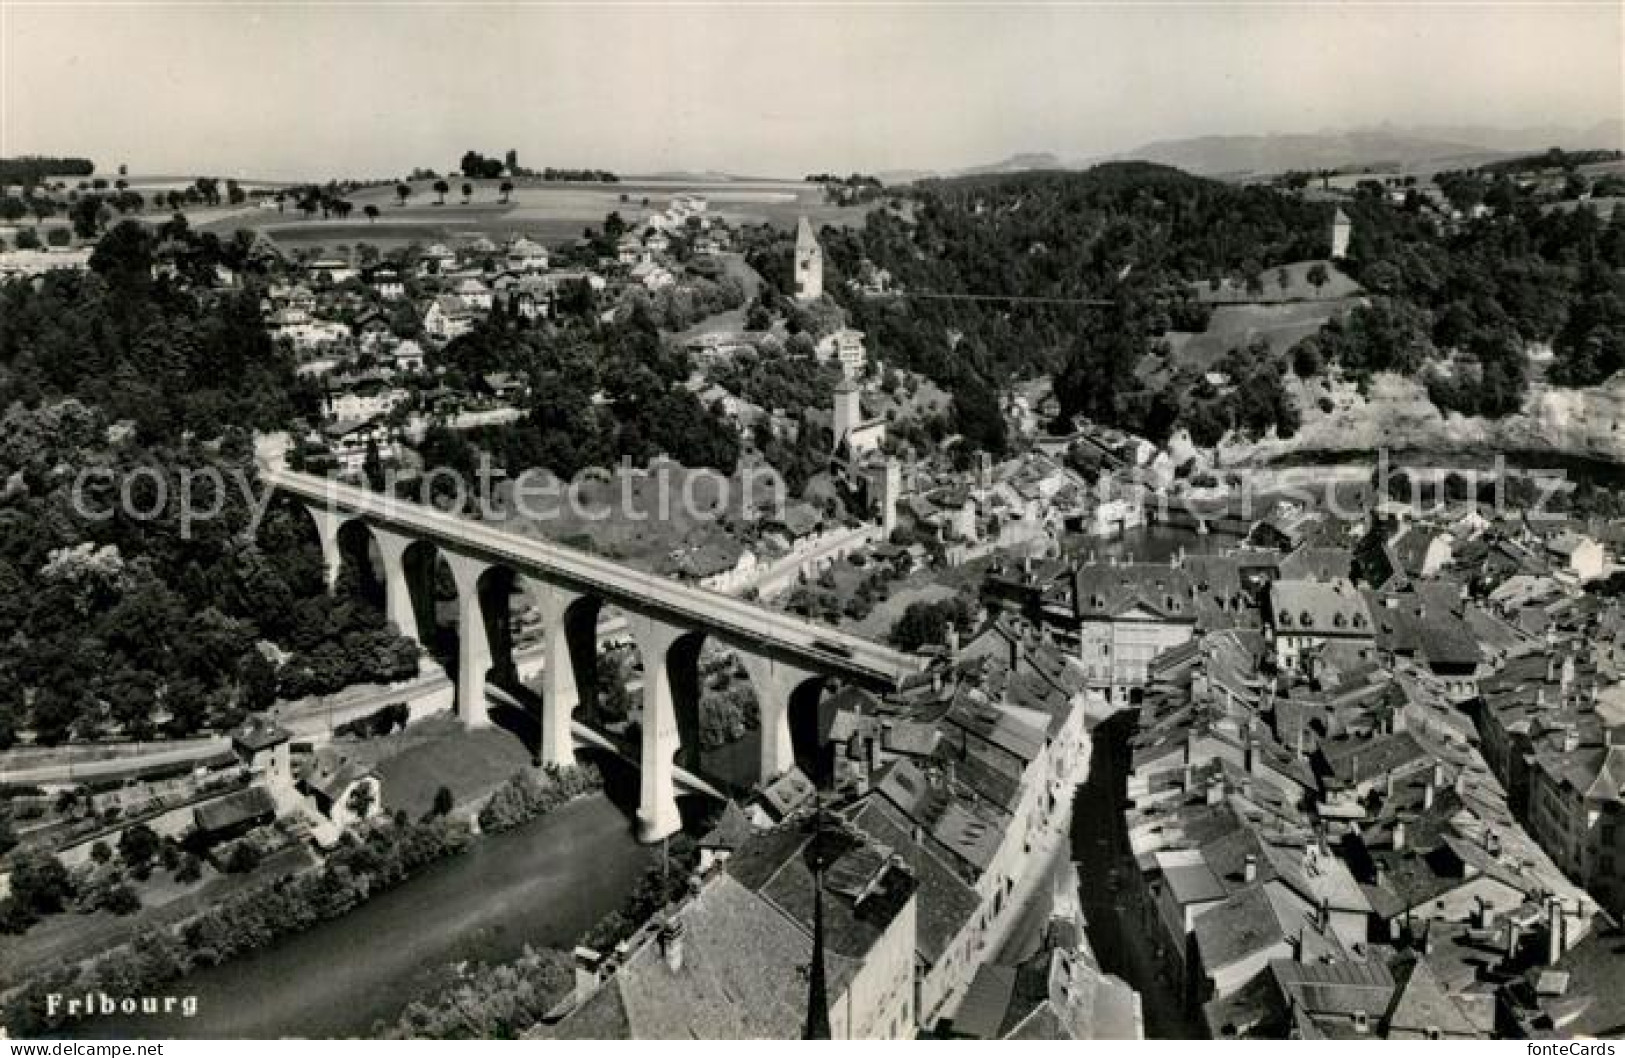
{"points": [[821, 648]]}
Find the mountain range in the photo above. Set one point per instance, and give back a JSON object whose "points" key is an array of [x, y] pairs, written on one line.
{"points": [[1425, 148]]}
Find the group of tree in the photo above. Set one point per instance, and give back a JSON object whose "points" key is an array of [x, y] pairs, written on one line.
{"points": [[926, 623], [527, 795], [601, 393], [361, 866], [123, 614]]}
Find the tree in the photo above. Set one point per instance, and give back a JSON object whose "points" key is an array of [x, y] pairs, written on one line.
{"points": [[507, 189], [468, 192], [120, 900], [440, 189], [1317, 276], [361, 800], [443, 802], [40, 884], [403, 191], [138, 845]]}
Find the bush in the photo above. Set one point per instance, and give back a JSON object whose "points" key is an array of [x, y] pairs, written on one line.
{"points": [[244, 857], [528, 795], [121, 900]]}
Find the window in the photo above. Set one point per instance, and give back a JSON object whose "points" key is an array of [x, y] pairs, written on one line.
{"points": [[1362, 1023], [1432, 1032]]}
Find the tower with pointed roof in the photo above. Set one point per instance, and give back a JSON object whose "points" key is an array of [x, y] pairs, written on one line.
{"points": [[809, 263]]}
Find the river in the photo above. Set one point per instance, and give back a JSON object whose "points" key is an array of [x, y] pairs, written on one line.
{"points": [[541, 884]]}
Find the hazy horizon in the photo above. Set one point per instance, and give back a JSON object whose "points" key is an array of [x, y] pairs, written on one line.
{"points": [[374, 90]]}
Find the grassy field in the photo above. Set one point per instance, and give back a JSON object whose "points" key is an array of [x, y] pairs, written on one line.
{"points": [[1233, 326], [417, 762], [548, 213], [643, 532], [60, 940], [1297, 288]]}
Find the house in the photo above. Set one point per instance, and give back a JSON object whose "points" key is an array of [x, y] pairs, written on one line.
{"points": [[1302, 616], [365, 401], [629, 250], [408, 356], [731, 961], [386, 282], [525, 255], [436, 259], [331, 270], [474, 294], [233, 815], [845, 347], [446, 318], [343, 790], [1122, 616], [349, 442], [263, 750], [653, 276], [1576, 556]]}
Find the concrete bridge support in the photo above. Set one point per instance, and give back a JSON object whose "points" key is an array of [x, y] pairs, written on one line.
{"points": [[473, 642], [775, 683], [399, 607], [657, 798], [328, 524], [561, 692]]}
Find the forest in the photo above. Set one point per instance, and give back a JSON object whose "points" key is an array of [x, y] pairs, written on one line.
{"points": [[1079, 275], [125, 618]]}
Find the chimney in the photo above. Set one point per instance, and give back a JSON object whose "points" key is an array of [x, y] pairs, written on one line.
{"points": [[1190, 746], [1249, 870], [1554, 930], [1215, 790], [1514, 937], [1551, 669], [1492, 842], [1571, 738], [1187, 779], [1438, 773], [671, 944], [1323, 913], [588, 963], [1399, 834], [1427, 796], [953, 641], [1566, 677], [1427, 937]]}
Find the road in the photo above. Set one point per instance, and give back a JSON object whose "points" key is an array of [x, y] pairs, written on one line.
{"points": [[84, 763]]}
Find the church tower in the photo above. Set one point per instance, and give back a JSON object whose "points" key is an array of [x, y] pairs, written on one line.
{"points": [[809, 263], [848, 410]]}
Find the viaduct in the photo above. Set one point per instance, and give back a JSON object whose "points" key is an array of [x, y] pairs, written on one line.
{"points": [[788, 659]]}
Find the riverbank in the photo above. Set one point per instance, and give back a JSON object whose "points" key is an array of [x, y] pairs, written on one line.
{"points": [[542, 884]]}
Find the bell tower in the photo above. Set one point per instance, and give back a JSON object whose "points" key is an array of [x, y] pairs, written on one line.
{"points": [[809, 263]]}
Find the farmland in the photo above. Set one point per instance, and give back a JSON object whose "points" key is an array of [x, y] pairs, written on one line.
{"points": [[548, 213]]}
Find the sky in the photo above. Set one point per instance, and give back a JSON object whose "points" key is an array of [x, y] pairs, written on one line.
{"points": [[316, 90]]}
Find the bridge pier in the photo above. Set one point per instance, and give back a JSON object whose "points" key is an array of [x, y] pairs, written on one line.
{"points": [[658, 817], [560, 690], [328, 524], [775, 682], [473, 644], [399, 607]]}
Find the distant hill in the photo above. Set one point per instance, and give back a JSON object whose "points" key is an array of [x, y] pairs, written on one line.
{"points": [[1426, 148]]}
